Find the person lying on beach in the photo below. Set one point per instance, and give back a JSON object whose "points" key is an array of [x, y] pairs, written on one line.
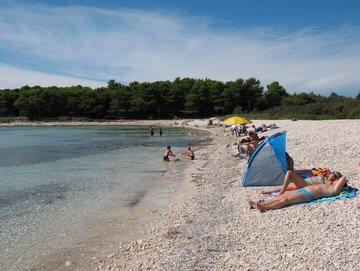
{"points": [[293, 181], [190, 154], [168, 152], [301, 195]]}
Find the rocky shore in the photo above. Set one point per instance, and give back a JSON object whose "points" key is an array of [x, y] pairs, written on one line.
{"points": [[212, 228]]}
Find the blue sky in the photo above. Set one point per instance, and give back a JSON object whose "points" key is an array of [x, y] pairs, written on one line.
{"points": [[305, 45]]}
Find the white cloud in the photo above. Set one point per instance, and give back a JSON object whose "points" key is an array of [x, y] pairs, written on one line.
{"points": [[128, 45], [12, 77]]}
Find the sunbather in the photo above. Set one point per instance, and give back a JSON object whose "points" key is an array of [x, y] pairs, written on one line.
{"points": [[292, 181], [301, 195]]}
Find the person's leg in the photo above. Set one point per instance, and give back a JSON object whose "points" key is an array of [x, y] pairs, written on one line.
{"points": [[289, 198], [291, 176], [290, 187], [272, 200]]}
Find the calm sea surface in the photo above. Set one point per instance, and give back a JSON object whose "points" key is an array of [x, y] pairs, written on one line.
{"points": [[63, 186]]}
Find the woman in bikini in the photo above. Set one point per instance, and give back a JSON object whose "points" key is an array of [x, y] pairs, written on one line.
{"points": [[305, 194], [292, 181]]}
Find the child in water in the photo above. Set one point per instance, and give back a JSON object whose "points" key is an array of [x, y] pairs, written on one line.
{"points": [[190, 154], [168, 152]]}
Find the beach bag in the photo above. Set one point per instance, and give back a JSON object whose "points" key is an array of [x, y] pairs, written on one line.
{"points": [[318, 171]]}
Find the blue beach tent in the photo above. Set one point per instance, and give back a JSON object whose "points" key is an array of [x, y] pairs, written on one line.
{"points": [[267, 165]]}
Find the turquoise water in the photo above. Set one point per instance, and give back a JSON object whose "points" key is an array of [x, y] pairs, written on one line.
{"points": [[59, 186]]}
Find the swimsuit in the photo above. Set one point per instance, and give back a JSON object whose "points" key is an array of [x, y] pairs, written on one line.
{"points": [[307, 193], [192, 157], [319, 178], [166, 158]]}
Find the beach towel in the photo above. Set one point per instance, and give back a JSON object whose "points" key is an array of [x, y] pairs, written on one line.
{"points": [[346, 192]]}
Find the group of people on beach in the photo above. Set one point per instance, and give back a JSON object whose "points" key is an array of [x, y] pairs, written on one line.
{"points": [[168, 152], [295, 188], [241, 129]]}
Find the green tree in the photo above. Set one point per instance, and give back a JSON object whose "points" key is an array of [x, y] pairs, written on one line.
{"points": [[7, 100], [232, 95], [273, 96]]}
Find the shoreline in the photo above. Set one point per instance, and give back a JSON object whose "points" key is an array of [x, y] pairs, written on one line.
{"points": [[92, 123], [209, 226], [150, 207], [212, 228]]}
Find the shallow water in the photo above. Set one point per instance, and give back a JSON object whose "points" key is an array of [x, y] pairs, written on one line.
{"points": [[67, 187]]}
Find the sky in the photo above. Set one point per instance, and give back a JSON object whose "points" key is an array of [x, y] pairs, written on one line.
{"points": [[304, 45]]}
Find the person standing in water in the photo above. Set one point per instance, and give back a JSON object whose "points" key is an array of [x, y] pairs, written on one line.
{"points": [[168, 152], [160, 131], [151, 131]]}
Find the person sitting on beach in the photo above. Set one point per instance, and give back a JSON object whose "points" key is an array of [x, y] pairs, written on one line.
{"points": [[301, 195], [293, 181], [190, 154], [168, 152], [246, 147], [250, 144]]}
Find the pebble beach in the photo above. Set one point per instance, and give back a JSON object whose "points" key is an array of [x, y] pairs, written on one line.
{"points": [[210, 226]]}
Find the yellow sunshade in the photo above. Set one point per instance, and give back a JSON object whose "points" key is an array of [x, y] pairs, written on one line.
{"points": [[237, 120]]}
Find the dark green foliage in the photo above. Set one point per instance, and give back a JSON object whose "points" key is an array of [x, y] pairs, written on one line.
{"points": [[274, 96], [185, 97]]}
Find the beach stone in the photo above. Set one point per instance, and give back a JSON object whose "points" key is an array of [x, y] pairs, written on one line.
{"points": [[111, 255], [68, 263], [225, 235]]}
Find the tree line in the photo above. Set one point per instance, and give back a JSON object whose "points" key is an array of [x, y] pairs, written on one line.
{"points": [[185, 97]]}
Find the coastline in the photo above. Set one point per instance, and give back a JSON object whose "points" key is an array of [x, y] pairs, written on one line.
{"points": [[90, 123], [211, 227], [208, 224]]}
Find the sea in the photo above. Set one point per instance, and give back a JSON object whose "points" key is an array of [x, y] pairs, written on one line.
{"points": [[68, 194]]}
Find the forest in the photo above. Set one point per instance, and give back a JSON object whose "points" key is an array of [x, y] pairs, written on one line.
{"points": [[180, 98]]}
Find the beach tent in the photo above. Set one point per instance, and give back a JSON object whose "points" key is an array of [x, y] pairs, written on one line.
{"points": [[236, 120], [267, 165]]}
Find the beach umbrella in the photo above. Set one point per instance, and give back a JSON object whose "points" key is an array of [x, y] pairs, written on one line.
{"points": [[237, 120]]}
